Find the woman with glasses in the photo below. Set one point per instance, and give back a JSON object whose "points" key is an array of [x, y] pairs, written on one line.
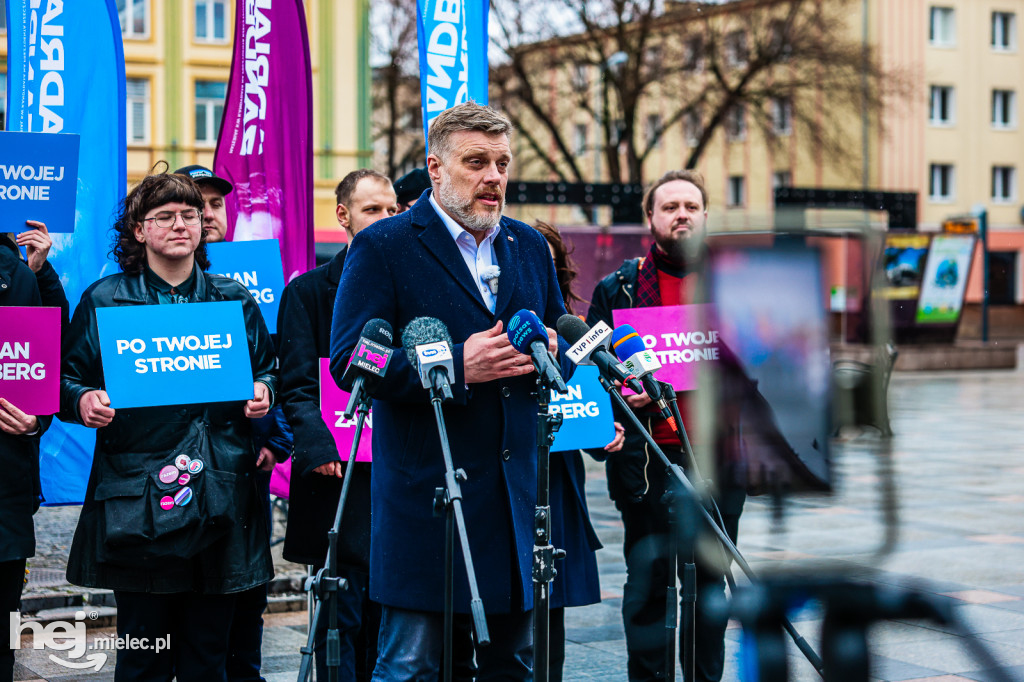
{"points": [[161, 591]]}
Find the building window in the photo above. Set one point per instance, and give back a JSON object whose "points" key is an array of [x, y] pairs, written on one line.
{"points": [[652, 131], [1004, 109], [1004, 184], [737, 191], [940, 108], [134, 16], [693, 54], [693, 129], [654, 59], [1004, 31], [940, 184], [137, 101], [618, 132], [736, 49], [782, 179], [941, 26], [782, 115], [580, 139], [211, 21], [209, 110], [580, 77], [779, 40], [736, 123]]}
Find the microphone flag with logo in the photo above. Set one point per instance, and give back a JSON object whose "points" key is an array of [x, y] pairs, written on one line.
{"points": [[369, 361], [529, 336], [428, 345], [589, 346]]}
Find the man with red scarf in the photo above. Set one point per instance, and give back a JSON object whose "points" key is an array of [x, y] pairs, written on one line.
{"points": [[675, 208]]}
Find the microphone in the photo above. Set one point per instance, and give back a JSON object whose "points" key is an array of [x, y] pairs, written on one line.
{"points": [[369, 361], [428, 345], [527, 335], [630, 349], [590, 347]]}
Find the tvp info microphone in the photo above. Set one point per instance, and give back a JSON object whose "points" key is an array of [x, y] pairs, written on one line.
{"points": [[589, 346]]}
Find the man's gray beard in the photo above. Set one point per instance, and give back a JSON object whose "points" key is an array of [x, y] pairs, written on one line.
{"points": [[462, 209]]}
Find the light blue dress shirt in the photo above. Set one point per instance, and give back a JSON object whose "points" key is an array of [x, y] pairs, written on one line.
{"points": [[477, 258]]}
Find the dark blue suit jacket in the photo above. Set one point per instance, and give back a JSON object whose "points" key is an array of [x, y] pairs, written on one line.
{"points": [[405, 267]]}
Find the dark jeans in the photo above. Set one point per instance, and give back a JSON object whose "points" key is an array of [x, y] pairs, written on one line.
{"points": [[246, 640], [358, 625], [646, 550], [412, 646], [198, 627], [12, 580]]}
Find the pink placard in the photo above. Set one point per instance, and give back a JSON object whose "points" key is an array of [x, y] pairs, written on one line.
{"points": [[682, 336], [333, 401], [30, 358]]}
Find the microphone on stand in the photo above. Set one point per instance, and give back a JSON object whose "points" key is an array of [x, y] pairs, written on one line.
{"points": [[428, 346], [589, 346], [528, 335], [630, 349], [369, 362]]}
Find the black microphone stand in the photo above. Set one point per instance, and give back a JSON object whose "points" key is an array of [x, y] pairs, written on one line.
{"points": [[544, 553], [448, 501], [326, 583], [694, 500]]}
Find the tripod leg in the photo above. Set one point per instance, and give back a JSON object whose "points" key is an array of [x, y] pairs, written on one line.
{"points": [[671, 605]]}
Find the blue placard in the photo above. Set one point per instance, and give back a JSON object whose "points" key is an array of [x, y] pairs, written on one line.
{"points": [[257, 266], [174, 354], [38, 180], [587, 420]]}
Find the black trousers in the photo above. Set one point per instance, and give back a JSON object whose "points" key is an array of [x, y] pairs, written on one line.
{"points": [[198, 626], [245, 642], [646, 549], [12, 581]]}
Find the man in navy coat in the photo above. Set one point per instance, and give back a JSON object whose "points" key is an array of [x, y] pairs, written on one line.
{"points": [[431, 261]]}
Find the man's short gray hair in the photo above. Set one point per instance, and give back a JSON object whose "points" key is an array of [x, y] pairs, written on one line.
{"points": [[467, 116]]}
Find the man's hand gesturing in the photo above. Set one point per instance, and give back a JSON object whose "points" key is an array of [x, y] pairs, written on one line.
{"points": [[488, 355]]}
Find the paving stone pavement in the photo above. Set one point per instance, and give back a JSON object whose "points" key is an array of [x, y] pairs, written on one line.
{"points": [[958, 463]]}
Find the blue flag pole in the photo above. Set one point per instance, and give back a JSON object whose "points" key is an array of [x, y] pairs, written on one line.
{"points": [[65, 74]]}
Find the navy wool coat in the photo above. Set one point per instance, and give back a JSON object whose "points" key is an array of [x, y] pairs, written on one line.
{"points": [[405, 267]]}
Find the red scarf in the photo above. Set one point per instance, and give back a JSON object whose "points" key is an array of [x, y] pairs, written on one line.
{"points": [[648, 294]]}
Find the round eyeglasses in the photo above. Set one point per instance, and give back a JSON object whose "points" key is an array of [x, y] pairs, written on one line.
{"points": [[165, 219]]}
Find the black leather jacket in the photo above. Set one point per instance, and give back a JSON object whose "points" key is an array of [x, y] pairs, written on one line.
{"points": [[242, 558], [19, 455]]}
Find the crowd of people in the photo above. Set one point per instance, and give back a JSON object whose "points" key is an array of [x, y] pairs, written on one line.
{"points": [[426, 245]]}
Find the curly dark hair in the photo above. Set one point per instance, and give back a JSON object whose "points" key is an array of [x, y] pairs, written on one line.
{"points": [[565, 268], [153, 191]]}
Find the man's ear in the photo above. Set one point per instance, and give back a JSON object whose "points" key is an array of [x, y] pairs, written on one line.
{"points": [[434, 169], [344, 219]]}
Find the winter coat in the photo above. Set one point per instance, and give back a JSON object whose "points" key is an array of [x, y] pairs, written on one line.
{"points": [[142, 438]]}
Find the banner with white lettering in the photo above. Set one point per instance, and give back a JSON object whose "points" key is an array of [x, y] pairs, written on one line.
{"points": [[586, 409], [680, 335], [30, 358], [38, 180], [256, 265], [265, 146], [453, 54], [65, 74], [174, 354]]}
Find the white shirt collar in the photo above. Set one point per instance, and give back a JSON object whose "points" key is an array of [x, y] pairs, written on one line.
{"points": [[456, 230]]}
